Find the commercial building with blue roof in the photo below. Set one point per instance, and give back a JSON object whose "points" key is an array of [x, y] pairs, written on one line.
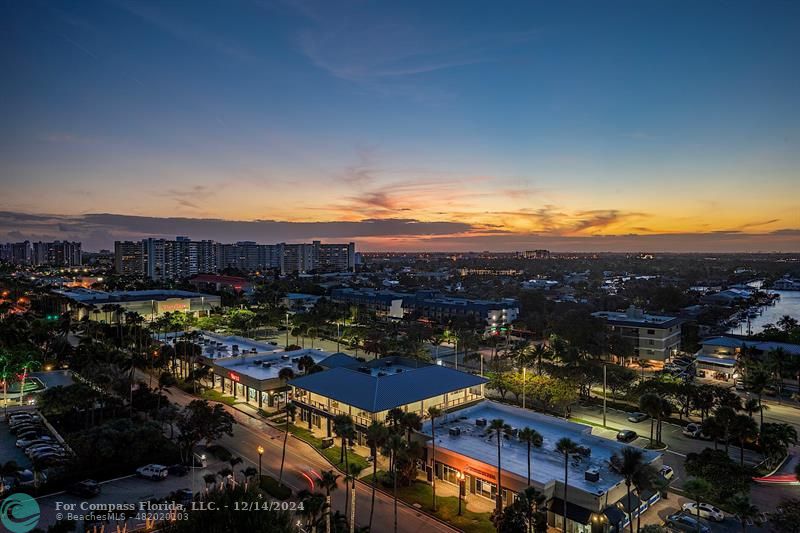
{"points": [[367, 391], [719, 354]]}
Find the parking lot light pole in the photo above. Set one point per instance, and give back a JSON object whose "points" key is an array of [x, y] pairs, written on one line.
{"points": [[260, 451]]}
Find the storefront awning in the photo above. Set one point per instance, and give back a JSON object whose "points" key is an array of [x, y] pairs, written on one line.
{"points": [[576, 513], [716, 361]]}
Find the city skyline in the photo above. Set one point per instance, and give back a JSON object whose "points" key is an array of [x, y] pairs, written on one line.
{"points": [[447, 127]]}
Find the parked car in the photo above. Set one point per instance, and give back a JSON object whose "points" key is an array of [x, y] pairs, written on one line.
{"points": [[637, 417], [30, 450], [627, 435], [693, 430], [770, 390], [154, 472], [38, 454], [182, 496], [30, 435], [26, 478], [667, 472], [27, 426], [88, 488], [22, 417], [178, 470], [701, 373], [682, 522], [739, 384], [24, 443], [707, 511]]}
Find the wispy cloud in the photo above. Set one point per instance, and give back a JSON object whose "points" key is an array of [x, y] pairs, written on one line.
{"points": [[184, 30], [354, 44]]}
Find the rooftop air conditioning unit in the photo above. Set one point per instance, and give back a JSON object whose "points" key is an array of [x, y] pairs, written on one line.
{"points": [[592, 475], [389, 363], [480, 421], [455, 432], [381, 374], [398, 370]]}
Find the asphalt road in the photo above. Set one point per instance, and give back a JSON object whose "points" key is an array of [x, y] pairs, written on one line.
{"points": [[301, 461]]}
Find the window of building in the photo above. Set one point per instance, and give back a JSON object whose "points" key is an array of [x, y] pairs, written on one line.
{"points": [[651, 332]]}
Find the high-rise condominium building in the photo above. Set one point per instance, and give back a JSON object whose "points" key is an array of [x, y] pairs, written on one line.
{"points": [[181, 258], [56, 253]]}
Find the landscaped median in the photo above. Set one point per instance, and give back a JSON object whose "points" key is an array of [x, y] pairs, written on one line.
{"points": [[419, 494], [331, 453]]}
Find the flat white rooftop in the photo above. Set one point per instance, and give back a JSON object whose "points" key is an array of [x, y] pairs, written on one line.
{"points": [[263, 367], [546, 463]]}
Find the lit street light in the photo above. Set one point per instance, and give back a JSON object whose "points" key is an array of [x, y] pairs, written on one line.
{"points": [[260, 451]]}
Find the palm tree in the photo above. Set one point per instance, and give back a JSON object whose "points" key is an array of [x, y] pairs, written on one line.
{"points": [[285, 374], [26, 364], [498, 428], [725, 417], [329, 482], [566, 446], [540, 352], [743, 510], [6, 374], [531, 500], [628, 466], [394, 445], [743, 429], [533, 439], [697, 488], [376, 438], [433, 413], [650, 404]]}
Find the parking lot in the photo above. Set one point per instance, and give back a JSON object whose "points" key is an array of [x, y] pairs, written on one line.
{"points": [[129, 489]]}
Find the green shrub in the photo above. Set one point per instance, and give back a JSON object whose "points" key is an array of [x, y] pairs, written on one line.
{"points": [[270, 485]]}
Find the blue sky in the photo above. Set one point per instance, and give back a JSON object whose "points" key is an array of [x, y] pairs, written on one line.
{"points": [[578, 125]]}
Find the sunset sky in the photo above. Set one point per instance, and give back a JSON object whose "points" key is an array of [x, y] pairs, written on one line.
{"points": [[641, 125]]}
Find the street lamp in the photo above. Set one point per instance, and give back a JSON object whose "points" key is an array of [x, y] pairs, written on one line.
{"points": [[260, 451], [461, 482], [287, 329]]}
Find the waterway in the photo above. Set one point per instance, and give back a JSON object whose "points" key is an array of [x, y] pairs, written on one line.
{"points": [[789, 304]]}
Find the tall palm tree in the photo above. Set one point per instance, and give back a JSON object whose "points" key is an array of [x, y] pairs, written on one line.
{"points": [[742, 509], [6, 374], [566, 447], [26, 364], [697, 488], [395, 445], [376, 438], [344, 428], [628, 465], [532, 500], [285, 374], [498, 428], [328, 482], [650, 404], [744, 430], [433, 413], [539, 353], [534, 439]]}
